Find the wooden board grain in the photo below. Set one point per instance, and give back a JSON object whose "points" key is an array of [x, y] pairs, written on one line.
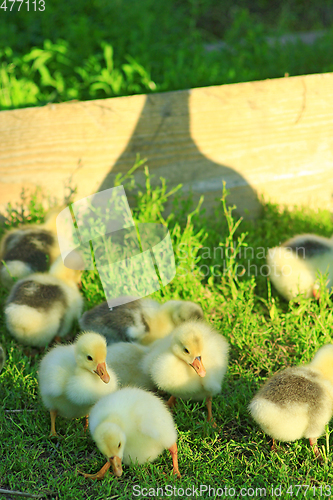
{"points": [[272, 137]]}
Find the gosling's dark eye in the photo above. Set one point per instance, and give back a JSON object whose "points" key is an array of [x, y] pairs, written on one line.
{"points": [[89, 357], [119, 445], [186, 350]]}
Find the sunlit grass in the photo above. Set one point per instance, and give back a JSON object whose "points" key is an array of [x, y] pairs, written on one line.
{"points": [[265, 334], [127, 47]]}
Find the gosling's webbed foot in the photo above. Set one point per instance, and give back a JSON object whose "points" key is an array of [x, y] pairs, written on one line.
{"points": [[174, 455], [318, 455], [54, 435], [210, 418], [86, 423], [98, 475], [172, 402], [273, 447]]}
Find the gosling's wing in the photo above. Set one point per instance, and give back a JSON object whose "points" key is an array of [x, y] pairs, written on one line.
{"points": [[55, 370]]}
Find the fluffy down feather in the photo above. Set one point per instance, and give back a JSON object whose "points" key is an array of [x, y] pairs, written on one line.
{"points": [[297, 402], [132, 425], [44, 305], [28, 249], [125, 359], [190, 363], [72, 378], [294, 266], [143, 320]]}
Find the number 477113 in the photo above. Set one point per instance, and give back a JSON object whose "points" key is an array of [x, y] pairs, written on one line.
{"points": [[27, 5]]}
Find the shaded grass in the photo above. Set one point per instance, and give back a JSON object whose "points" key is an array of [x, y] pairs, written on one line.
{"points": [[265, 334]]}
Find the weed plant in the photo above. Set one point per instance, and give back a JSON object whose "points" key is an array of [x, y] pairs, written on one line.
{"points": [[265, 334]]}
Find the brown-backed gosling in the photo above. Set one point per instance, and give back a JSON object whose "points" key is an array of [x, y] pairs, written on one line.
{"points": [[28, 249], [44, 305], [297, 402], [294, 266]]}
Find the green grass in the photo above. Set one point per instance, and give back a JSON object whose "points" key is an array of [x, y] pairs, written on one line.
{"points": [[88, 50], [97, 49], [265, 334]]}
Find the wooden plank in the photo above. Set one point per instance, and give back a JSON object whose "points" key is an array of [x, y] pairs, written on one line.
{"points": [[272, 137]]}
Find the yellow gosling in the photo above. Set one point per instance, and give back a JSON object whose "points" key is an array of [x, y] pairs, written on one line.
{"points": [[72, 378], [132, 425], [190, 363]]}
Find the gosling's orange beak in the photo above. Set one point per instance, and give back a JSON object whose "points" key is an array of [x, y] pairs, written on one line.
{"points": [[116, 465], [198, 366], [102, 372]]}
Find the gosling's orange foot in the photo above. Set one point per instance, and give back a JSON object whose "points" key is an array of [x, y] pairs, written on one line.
{"points": [[55, 436], [174, 455], [53, 415], [177, 473], [86, 423], [210, 418], [273, 447], [95, 476], [212, 422], [318, 455], [172, 402], [316, 293], [98, 475]]}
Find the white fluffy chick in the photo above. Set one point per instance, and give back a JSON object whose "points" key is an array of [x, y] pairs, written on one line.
{"points": [[132, 425], [72, 378]]}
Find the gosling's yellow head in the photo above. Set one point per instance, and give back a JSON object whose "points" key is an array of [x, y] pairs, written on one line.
{"points": [[90, 354], [323, 361], [187, 344], [111, 441]]}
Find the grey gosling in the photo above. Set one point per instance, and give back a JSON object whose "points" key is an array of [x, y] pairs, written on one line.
{"points": [[143, 320]]}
